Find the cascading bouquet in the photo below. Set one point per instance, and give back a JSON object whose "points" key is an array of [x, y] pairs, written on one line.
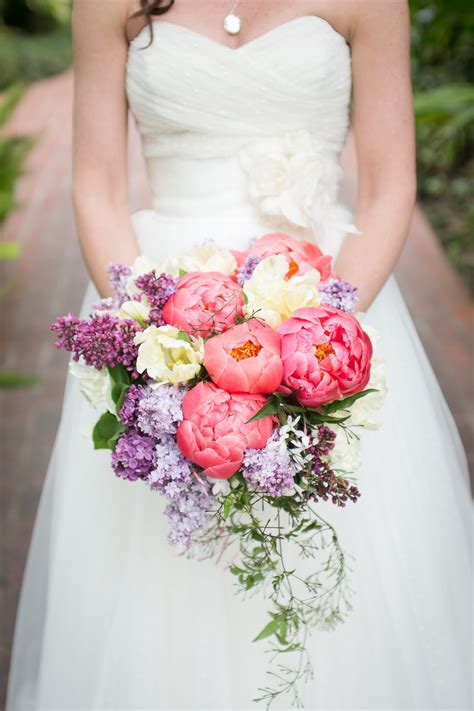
{"points": [[234, 385]]}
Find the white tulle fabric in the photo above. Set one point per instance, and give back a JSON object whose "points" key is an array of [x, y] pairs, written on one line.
{"points": [[110, 617]]}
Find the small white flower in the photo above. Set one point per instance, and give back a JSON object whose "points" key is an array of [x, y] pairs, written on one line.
{"points": [[219, 486], [94, 384]]}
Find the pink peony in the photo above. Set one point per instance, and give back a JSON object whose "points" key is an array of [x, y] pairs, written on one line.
{"points": [[326, 353], [204, 303], [302, 256], [214, 433], [245, 358]]}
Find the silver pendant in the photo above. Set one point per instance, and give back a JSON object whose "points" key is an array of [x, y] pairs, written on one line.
{"points": [[232, 24]]}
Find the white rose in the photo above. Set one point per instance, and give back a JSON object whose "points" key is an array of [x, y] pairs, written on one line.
{"points": [[273, 297], [208, 258], [94, 384], [346, 454], [363, 408], [167, 355]]}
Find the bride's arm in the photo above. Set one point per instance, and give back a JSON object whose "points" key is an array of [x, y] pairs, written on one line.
{"points": [[100, 186], [384, 134]]}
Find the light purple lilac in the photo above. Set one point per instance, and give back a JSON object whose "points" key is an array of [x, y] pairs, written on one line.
{"points": [[118, 277], [248, 268], [338, 294], [189, 498], [160, 410], [134, 456], [269, 469]]}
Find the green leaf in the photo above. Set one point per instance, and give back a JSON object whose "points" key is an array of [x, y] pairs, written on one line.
{"points": [[182, 272], [346, 402], [183, 336], [228, 504], [119, 374], [106, 432], [268, 630], [119, 390], [270, 408]]}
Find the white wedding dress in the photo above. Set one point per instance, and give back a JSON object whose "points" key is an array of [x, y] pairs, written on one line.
{"points": [[239, 143]]}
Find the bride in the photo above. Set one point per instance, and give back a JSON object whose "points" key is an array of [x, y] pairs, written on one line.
{"points": [[110, 617]]}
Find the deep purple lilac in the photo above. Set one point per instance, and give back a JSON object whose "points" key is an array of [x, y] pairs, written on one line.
{"points": [[157, 289]]}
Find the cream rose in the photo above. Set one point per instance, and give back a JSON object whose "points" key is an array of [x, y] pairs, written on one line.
{"points": [[94, 384], [168, 354], [272, 295], [208, 258]]}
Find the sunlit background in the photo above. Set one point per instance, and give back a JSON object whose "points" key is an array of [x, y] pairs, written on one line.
{"points": [[42, 274]]}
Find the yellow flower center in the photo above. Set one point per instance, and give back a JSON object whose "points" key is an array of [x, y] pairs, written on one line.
{"points": [[292, 270], [323, 350], [248, 350]]}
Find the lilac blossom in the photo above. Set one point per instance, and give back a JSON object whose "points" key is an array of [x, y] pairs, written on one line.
{"points": [[157, 289], [119, 275], [160, 410], [129, 410], [102, 340], [248, 268], [338, 294], [134, 456], [189, 498], [269, 469]]}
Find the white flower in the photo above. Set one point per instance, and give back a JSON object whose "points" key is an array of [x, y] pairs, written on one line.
{"points": [[291, 176], [273, 297], [208, 258], [219, 486], [94, 384], [363, 408], [346, 454], [168, 354], [137, 310]]}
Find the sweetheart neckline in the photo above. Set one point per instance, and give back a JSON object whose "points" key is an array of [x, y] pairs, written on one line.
{"points": [[249, 43]]}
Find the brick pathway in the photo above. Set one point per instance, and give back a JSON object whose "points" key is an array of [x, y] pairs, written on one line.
{"points": [[50, 278]]}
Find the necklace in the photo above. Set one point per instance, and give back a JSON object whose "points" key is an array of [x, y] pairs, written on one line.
{"points": [[232, 22]]}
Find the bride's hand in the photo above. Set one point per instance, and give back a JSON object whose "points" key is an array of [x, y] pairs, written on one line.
{"points": [[100, 184], [384, 136]]}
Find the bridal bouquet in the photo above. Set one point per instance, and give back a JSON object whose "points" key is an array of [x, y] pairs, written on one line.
{"points": [[234, 384]]}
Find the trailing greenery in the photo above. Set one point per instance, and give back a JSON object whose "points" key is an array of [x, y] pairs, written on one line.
{"points": [[442, 70]]}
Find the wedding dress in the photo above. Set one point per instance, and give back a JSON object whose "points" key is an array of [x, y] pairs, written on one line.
{"points": [[239, 143]]}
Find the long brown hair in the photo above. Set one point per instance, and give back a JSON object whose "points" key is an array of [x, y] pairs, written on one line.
{"points": [[149, 8]]}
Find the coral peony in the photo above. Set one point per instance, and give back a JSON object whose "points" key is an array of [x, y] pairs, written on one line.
{"points": [[214, 433], [326, 353], [301, 256], [245, 358], [204, 303]]}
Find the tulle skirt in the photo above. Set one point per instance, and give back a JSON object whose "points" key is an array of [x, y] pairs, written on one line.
{"points": [[111, 617]]}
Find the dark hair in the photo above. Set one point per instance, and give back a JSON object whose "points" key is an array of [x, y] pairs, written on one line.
{"points": [[148, 8]]}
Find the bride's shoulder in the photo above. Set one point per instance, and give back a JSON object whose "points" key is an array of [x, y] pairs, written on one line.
{"points": [[381, 17]]}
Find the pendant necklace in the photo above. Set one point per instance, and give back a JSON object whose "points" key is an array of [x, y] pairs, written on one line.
{"points": [[232, 22]]}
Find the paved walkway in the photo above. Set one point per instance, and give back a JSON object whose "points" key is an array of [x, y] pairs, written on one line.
{"points": [[50, 278]]}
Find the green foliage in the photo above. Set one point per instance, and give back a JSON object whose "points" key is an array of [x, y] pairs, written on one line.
{"points": [[442, 70], [26, 58], [106, 432], [35, 15], [10, 380]]}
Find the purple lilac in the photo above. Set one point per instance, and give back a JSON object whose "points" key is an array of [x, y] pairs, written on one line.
{"points": [[118, 277], [157, 289], [102, 340], [269, 469], [189, 499], [134, 456], [160, 410], [339, 294], [104, 304], [325, 482], [129, 410], [248, 268]]}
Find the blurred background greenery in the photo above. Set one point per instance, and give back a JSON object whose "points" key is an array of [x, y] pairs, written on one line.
{"points": [[35, 43]]}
